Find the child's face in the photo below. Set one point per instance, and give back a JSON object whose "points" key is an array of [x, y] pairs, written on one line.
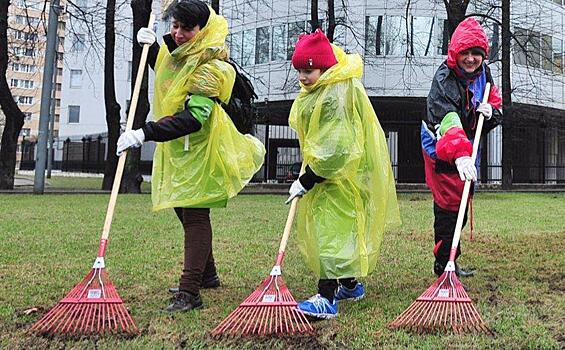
{"points": [[469, 60], [181, 34], [309, 76]]}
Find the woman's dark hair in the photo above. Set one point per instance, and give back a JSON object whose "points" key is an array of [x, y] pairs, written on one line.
{"points": [[188, 12]]}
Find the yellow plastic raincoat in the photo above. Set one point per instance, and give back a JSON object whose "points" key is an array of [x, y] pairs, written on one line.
{"points": [[205, 168], [341, 221]]}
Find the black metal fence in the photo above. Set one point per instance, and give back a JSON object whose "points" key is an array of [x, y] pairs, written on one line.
{"points": [[538, 154], [86, 155]]}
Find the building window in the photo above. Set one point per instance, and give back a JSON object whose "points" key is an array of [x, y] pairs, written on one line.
{"points": [[27, 116], [25, 68], [558, 52], [294, 30], [373, 35], [422, 36], [22, 83], [520, 51], [340, 32], [278, 39], [262, 44], [76, 78], [23, 100], [546, 52], [58, 86], [23, 51], [528, 47], [395, 36], [493, 31], [59, 71], [236, 40], [388, 36], [23, 35], [57, 102], [74, 114], [57, 118], [27, 20], [78, 43], [28, 4], [248, 48]]}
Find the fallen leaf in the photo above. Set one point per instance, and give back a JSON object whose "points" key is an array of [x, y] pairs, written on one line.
{"points": [[30, 311]]}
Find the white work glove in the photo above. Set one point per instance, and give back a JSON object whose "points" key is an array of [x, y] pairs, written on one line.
{"points": [[296, 190], [146, 36], [130, 138], [485, 109], [466, 168]]}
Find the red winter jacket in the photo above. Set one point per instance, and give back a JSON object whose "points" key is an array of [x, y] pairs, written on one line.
{"points": [[455, 95]]}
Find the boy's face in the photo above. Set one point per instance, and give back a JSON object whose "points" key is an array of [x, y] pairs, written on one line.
{"points": [[181, 34], [469, 60], [309, 76]]}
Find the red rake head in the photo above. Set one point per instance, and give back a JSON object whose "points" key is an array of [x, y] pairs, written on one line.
{"points": [[269, 310], [92, 307], [444, 306]]}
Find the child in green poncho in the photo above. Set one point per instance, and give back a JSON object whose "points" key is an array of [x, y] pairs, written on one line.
{"points": [[201, 160], [347, 185]]}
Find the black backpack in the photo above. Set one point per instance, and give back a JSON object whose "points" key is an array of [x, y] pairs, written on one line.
{"points": [[240, 107]]}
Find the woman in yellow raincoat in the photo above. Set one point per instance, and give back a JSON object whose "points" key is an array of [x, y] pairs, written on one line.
{"points": [[347, 183], [201, 160]]}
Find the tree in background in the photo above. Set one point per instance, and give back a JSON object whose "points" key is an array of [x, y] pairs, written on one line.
{"points": [[110, 102], [13, 114], [131, 183]]}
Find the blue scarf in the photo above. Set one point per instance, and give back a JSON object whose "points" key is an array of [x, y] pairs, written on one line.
{"points": [[475, 82]]}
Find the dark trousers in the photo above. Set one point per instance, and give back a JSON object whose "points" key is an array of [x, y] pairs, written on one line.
{"points": [[198, 258], [444, 228], [328, 287]]}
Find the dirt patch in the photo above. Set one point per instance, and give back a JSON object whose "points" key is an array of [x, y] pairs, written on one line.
{"points": [[492, 288], [296, 342]]}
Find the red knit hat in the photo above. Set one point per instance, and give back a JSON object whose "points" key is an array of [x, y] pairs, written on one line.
{"points": [[313, 51]]}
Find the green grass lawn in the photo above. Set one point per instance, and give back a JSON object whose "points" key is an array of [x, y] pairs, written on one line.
{"points": [[49, 243]]}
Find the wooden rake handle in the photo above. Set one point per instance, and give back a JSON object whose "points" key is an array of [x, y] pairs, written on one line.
{"points": [[122, 159], [467, 187], [287, 228]]}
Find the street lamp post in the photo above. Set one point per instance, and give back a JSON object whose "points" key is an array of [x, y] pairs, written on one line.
{"points": [[47, 85]]}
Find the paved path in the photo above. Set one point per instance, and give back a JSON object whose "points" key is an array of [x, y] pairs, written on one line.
{"points": [[22, 182]]}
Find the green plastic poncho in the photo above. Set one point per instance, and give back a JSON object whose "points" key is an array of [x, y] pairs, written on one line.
{"points": [[341, 221], [205, 168]]}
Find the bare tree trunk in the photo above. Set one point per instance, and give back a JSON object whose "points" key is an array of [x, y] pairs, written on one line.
{"points": [[112, 106], [314, 20], [331, 21], [507, 153], [216, 5], [14, 116], [456, 10], [132, 180]]}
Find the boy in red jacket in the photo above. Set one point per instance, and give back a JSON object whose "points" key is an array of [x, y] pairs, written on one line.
{"points": [[453, 107]]}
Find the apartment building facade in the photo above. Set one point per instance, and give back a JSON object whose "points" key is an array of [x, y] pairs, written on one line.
{"points": [[27, 20]]}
